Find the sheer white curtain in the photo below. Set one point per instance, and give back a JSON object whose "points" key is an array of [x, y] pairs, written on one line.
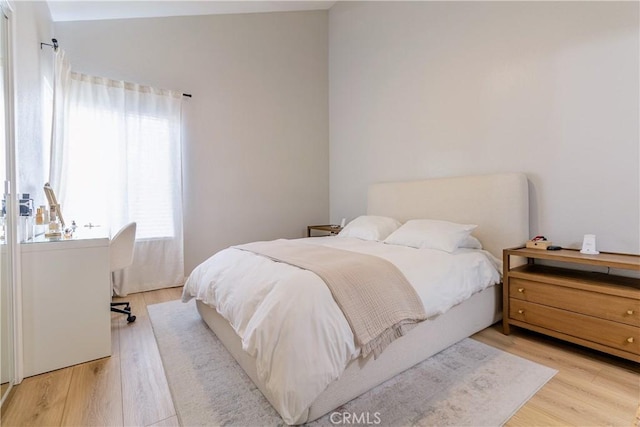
{"points": [[116, 158], [61, 81]]}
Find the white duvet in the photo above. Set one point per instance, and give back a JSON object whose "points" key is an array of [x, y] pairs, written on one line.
{"points": [[288, 320]]}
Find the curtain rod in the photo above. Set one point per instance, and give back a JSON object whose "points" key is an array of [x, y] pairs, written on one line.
{"points": [[54, 45]]}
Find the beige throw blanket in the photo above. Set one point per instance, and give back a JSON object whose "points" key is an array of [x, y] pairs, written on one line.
{"points": [[375, 297]]}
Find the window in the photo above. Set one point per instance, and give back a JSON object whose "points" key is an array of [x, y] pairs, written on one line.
{"points": [[111, 182], [116, 158]]}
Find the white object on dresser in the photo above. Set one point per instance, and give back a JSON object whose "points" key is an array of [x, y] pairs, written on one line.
{"points": [[66, 293], [589, 245]]}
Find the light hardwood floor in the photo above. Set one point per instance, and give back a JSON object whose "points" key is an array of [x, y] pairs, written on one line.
{"points": [[130, 388]]}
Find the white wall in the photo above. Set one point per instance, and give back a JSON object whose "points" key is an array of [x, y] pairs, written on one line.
{"points": [[429, 89], [32, 25], [256, 147], [33, 67]]}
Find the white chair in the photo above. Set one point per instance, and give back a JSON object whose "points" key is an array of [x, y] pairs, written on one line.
{"points": [[121, 256]]}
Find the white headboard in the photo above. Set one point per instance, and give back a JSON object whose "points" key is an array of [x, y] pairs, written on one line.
{"points": [[498, 204]]}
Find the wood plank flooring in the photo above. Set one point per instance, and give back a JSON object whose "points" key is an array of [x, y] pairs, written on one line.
{"points": [[590, 388], [127, 389], [130, 387]]}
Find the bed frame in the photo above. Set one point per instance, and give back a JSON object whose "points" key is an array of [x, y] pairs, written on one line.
{"points": [[499, 204]]}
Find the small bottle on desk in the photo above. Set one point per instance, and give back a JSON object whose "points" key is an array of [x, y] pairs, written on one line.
{"points": [[54, 224], [39, 227]]}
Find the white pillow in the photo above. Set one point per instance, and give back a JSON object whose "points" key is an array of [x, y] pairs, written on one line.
{"points": [[430, 233], [471, 242], [368, 227]]}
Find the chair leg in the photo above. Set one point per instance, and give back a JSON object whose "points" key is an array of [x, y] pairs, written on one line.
{"points": [[123, 303], [126, 310]]}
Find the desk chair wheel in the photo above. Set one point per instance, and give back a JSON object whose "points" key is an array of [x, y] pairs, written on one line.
{"points": [[126, 310]]}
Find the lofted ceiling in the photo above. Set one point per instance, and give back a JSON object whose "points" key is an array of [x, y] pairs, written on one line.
{"points": [[94, 10]]}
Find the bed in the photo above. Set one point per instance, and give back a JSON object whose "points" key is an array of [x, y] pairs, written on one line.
{"points": [[498, 204]]}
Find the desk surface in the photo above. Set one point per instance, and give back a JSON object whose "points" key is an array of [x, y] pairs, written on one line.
{"points": [[83, 237]]}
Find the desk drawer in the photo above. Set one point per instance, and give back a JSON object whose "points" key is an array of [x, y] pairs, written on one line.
{"points": [[604, 306], [605, 332]]}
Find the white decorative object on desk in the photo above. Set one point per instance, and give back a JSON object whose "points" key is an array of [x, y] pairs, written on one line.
{"points": [[589, 245]]}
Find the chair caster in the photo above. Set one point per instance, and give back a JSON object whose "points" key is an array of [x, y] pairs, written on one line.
{"points": [[131, 319]]}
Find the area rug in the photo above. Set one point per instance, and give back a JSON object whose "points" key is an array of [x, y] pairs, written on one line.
{"points": [[468, 384]]}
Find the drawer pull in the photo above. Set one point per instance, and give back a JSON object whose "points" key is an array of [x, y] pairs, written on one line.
{"points": [[521, 290], [630, 339], [522, 311], [629, 311]]}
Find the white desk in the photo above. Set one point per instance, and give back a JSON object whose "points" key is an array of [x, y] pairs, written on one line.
{"points": [[66, 290]]}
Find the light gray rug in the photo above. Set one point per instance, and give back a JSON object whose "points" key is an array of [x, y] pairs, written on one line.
{"points": [[468, 384]]}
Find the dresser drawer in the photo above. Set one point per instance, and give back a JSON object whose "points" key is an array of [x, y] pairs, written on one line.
{"points": [[612, 334], [604, 306]]}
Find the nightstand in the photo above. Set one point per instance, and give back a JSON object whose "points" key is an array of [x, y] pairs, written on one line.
{"points": [[331, 229], [596, 310]]}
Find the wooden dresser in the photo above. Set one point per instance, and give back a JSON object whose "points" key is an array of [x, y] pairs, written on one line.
{"points": [[594, 309]]}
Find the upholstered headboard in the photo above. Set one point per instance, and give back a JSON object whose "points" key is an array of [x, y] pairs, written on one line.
{"points": [[498, 204]]}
